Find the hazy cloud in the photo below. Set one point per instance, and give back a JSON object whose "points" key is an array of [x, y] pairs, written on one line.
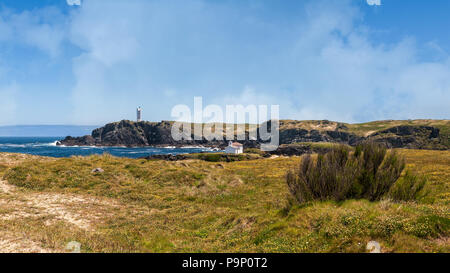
{"points": [[73, 2], [41, 29], [374, 2]]}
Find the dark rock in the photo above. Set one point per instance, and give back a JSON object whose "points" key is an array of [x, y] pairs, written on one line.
{"points": [[78, 141], [167, 157], [301, 135], [414, 137], [298, 149]]}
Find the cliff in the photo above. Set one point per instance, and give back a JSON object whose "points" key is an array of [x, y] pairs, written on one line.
{"points": [[139, 134], [418, 134]]}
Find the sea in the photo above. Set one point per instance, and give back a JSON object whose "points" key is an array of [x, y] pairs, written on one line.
{"points": [[46, 146]]}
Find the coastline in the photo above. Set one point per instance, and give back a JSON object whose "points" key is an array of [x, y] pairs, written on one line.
{"points": [[49, 147], [160, 146], [418, 134]]}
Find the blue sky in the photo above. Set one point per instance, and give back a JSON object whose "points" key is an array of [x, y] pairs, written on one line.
{"points": [[340, 60]]}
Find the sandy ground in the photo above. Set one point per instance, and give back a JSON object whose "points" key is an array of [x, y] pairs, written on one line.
{"points": [[80, 212], [23, 211], [10, 243]]}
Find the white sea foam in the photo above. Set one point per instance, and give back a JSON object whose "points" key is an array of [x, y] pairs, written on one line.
{"points": [[195, 147], [13, 145], [51, 144]]}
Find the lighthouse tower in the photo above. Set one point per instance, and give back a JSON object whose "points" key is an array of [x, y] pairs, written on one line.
{"points": [[139, 114]]}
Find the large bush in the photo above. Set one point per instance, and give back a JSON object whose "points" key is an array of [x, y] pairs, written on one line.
{"points": [[409, 187], [369, 172]]}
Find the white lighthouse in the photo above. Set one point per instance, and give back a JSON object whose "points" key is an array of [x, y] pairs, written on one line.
{"points": [[139, 114]]}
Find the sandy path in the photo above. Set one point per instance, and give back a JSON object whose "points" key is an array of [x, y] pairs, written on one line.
{"points": [[80, 212], [5, 187], [15, 244]]}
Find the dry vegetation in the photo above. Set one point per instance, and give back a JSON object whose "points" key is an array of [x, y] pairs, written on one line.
{"points": [[140, 205], [341, 174], [362, 129]]}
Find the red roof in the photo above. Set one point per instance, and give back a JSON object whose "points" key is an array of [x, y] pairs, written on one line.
{"points": [[236, 144]]}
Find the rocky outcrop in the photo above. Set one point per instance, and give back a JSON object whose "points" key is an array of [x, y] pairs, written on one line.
{"points": [[299, 149], [166, 157], [122, 133], [302, 135], [139, 134], [414, 137], [78, 141]]}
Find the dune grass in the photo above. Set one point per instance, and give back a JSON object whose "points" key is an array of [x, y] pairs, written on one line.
{"points": [[242, 206]]}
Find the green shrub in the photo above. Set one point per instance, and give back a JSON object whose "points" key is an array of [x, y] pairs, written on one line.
{"points": [[378, 170], [331, 176], [213, 157], [254, 151], [369, 173], [408, 188]]}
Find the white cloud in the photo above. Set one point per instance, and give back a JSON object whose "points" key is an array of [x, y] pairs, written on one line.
{"points": [[41, 29], [323, 64], [73, 2], [374, 2], [328, 61], [135, 51]]}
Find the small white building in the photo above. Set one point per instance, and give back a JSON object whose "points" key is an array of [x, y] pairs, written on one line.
{"points": [[234, 148]]}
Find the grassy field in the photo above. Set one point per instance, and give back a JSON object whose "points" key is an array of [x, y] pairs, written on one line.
{"points": [[138, 205]]}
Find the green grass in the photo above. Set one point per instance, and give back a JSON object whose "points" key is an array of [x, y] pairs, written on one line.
{"points": [[222, 157], [242, 206], [319, 145]]}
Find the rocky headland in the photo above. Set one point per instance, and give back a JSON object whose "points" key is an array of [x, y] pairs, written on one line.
{"points": [[417, 134]]}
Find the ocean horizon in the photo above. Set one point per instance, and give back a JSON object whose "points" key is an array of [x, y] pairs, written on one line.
{"points": [[46, 130]]}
